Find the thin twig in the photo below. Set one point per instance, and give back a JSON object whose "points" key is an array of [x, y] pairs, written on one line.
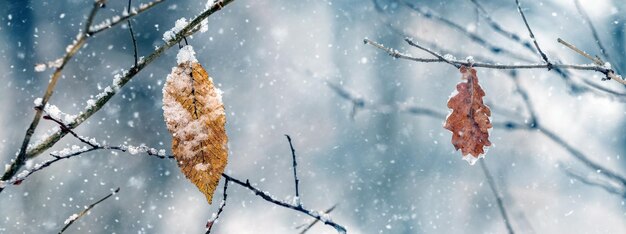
{"points": [[75, 217], [132, 35], [295, 175], [428, 44], [588, 181], [595, 60], [412, 43], [357, 102], [494, 190], [533, 120], [471, 35], [414, 109], [594, 32], [212, 221], [269, 198], [532, 36], [327, 211], [66, 129], [620, 96], [582, 157], [397, 54], [610, 74], [516, 38], [501, 30], [96, 6], [115, 20], [72, 152]]}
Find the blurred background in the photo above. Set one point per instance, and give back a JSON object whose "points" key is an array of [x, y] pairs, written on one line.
{"points": [[387, 171]]}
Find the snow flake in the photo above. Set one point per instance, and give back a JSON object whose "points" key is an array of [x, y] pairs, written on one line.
{"points": [[55, 112], [40, 67]]}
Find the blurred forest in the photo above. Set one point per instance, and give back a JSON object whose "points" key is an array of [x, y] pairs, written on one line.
{"points": [[367, 127]]}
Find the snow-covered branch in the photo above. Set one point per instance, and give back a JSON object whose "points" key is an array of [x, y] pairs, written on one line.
{"points": [[95, 105], [213, 220], [70, 220], [93, 145], [71, 50], [321, 216]]}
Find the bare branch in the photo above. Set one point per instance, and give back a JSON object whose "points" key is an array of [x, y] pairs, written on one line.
{"points": [[415, 110], [595, 60], [532, 36], [132, 35], [533, 121], [610, 74], [76, 151], [498, 28], [583, 158], [582, 13], [433, 46], [494, 190], [595, 183], [96, 6], [75, 217], [212, 221], [315, 214], [115, 20], [501, 30], [308, 227], [408, 40], [620, 96], [357, 102], [397, 54], [471, 35], [295, 175]]}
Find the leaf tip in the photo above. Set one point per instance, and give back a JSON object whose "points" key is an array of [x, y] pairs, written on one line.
{"points": [[471, 159]]}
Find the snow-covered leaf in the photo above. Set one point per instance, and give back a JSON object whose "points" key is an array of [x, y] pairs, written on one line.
{"points": [[194, 114]]}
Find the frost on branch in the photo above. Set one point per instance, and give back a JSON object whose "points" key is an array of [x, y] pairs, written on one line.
{"points": [[178, 26], [194, 114], [469, 120], [55, 112]]}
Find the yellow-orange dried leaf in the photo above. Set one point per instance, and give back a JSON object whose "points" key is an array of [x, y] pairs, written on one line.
{"points": [[469, 120], [194, 114]]}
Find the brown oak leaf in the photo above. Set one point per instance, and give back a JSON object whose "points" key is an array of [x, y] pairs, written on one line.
{"points": [[194, 115], [469, 120]]}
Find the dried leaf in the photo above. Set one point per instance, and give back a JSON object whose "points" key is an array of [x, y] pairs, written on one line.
{"points": [[469, 120], [194, 114]]}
